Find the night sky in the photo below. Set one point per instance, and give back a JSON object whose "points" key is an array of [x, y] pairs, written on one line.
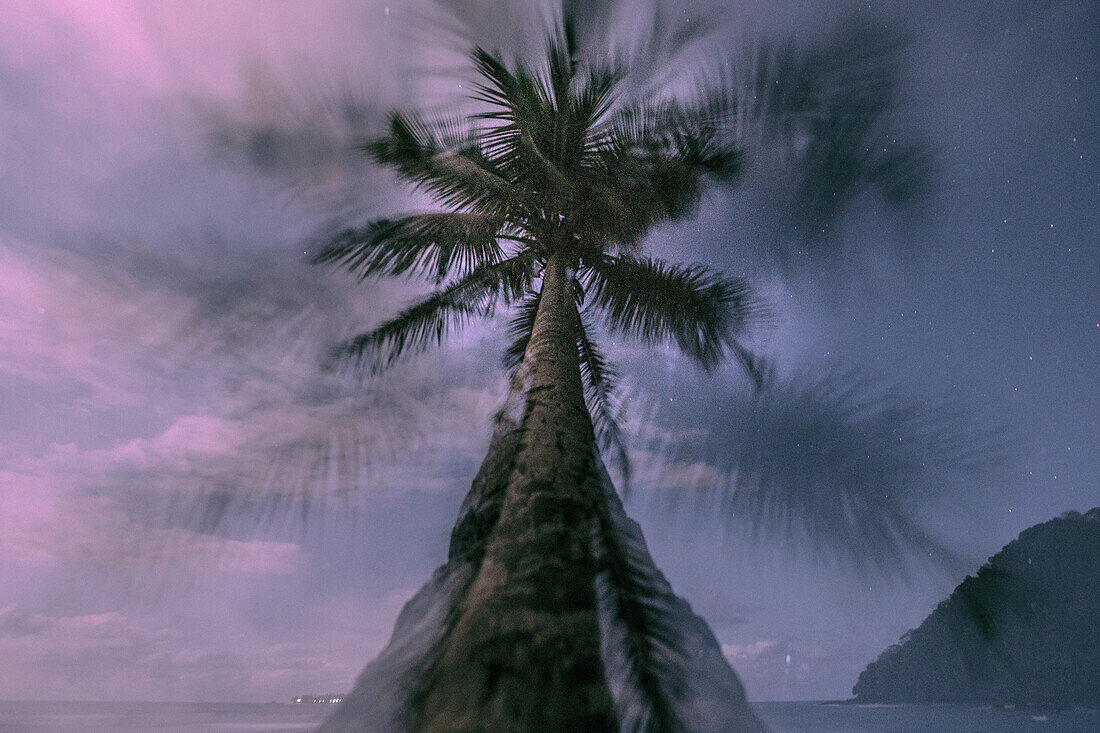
{"points": [[161, 334]]}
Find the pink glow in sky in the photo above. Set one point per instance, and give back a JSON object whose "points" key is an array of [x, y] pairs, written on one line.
{"points": [[160, 336]]}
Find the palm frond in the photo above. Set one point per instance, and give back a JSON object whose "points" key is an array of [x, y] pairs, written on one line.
{"points": [[411, 136], [602, 396], [501, 88], [434, 245], [596, 96], [439, 315], [756, 367], [830, 114], [563, 60], [842, 463], [454, 171], [538, 128], [644, 647], [699, 311], [670, 125], [519, 332], [658, 157], [525, 139]]}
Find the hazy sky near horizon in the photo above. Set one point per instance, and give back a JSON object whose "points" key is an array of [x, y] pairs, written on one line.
{"points": [[160, 334]]}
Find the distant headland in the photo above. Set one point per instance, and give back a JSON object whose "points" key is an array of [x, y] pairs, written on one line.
{"points": [[1024, 631]]}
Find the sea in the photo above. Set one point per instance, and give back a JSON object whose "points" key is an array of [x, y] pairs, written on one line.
{"points": [[781, 717]]}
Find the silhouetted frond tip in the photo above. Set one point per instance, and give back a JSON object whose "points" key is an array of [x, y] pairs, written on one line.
{"points": [[434, 245], [429, 321], [457, 175]]}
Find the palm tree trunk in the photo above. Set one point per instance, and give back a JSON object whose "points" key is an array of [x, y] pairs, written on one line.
{"points": [[524, 654], [513, 634]]}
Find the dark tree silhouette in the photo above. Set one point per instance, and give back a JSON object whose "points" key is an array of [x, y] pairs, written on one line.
{"points": [[550, 614]]}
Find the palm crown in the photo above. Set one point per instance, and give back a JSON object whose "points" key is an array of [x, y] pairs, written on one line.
{"points": [[547, 191], [556, 164]]}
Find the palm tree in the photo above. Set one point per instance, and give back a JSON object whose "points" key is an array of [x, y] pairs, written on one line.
{"points": [[549, 614]]}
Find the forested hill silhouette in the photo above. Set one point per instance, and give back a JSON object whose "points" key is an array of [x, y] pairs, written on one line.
{"points": [[1023, 631]]}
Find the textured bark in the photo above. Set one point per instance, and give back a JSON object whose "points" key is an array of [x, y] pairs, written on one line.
{"points": [[513, 633], [524, 653]]}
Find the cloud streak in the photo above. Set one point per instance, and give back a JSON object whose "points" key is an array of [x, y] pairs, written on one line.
{"points": [[160, 336]]}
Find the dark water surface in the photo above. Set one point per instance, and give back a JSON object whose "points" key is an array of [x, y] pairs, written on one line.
{"points": [[807, 717], [783, 717], [132, 717]]}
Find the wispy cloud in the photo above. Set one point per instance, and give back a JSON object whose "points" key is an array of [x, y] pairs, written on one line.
{"points": [[109, 655], [160, 335]]}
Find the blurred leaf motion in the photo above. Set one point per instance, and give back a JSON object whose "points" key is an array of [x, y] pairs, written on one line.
{"points": [[294, 131], [830, 118], [822, 124], [254, 441], [564, 622], [555, 158], [582, 129], [840, 464], [561, 133]]}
